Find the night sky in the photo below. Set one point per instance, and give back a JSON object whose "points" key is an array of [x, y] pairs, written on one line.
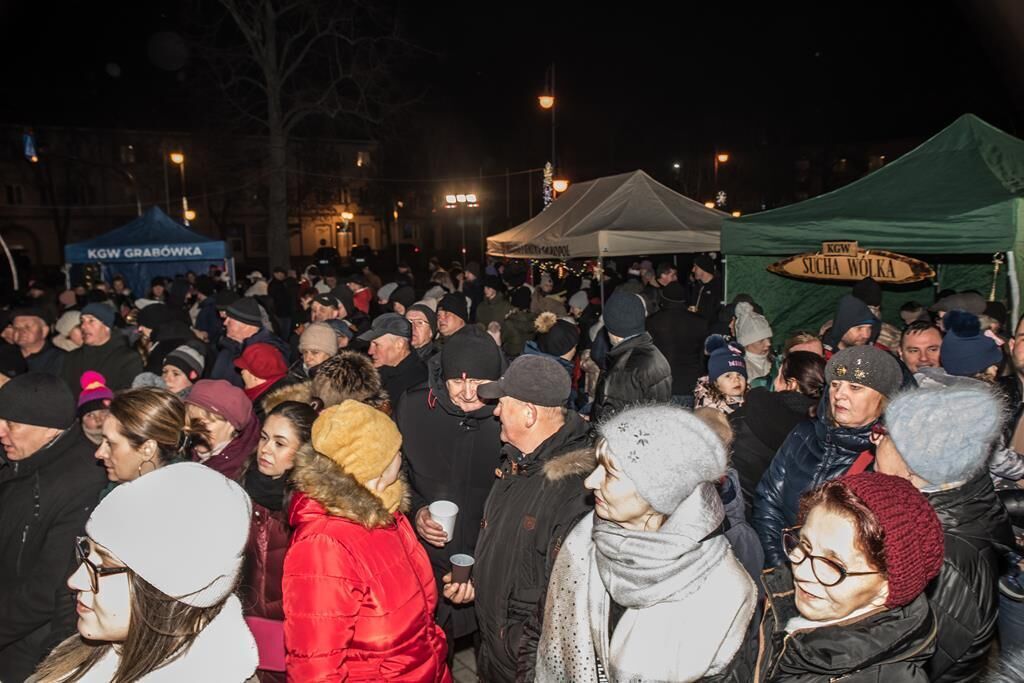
{"points": [[638, 84]]}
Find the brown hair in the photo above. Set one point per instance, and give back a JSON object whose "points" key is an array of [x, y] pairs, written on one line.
{"points": [[151, 414], [797, 338], [838, 498], [161, 629], [808, 369]]}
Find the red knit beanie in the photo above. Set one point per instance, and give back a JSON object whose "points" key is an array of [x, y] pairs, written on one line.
{"points": [[913, 538]]}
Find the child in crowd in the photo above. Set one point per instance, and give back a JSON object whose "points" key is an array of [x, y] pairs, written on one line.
{"points": [[725, 386]]}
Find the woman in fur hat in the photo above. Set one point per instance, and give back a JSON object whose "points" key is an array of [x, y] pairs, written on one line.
{"points": [[359, 594]]}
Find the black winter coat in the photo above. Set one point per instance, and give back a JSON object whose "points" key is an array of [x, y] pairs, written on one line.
{"points": [[963, 596], [1010, 387], [50, 360], [637, 371], [45, 500], [680, 335], [224, 366], [532, 507], [760, 427], [449, 455], [884, 646], [406, 375], [116, 361], [813, 453]]}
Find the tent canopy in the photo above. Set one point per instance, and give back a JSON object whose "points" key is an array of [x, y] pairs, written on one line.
{"points": [[154, 236], [957, 193], [620, 215], [953, 201], [152, 245]]}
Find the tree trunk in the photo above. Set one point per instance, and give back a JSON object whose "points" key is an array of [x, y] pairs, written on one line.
{"points": [[278, 243]]}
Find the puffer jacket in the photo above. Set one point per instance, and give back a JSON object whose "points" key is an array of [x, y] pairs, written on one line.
{"points": [[637, 371], [883, 646], [963, 596], [813, 453], [359, 595]]}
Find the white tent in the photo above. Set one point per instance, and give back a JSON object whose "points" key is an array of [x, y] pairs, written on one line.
{"points": [[621, 215]]}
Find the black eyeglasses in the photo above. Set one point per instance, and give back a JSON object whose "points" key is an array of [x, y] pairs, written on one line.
{"points": [[827, 572], [83, 548]]}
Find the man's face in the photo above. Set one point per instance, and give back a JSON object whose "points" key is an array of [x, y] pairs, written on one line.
{"points": [[421, 332], [1017, 349], [462, 391], [448, 323], [490, 293], [21, 441], [29, 331], [278, 276], [318, 312], [94, 332], [668, 277], [858, 335], [238, 330], [516, 419], [388, 350], [921, 349]]}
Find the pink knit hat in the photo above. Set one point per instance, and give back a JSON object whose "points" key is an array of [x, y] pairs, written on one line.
{"points": [[224, 398], [95, 393]]}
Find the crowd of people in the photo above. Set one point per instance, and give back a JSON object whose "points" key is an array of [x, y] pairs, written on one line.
{"points": [[587, 476]]}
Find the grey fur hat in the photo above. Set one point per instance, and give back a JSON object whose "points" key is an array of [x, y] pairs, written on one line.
{"points": [[945, 434], [666, 451]]}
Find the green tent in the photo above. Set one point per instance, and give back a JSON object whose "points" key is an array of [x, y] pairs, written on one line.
{"points": [[954, 201]]}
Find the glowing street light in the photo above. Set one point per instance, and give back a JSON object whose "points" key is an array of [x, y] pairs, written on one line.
{"points": [[347, 215], [177, 158], [736, 214], [190, 215], [710, 205], [676, 166], [546, 101], [722, 157], [450, 199], [560, 185]]}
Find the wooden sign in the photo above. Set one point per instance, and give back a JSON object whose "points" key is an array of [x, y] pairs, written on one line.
{"points": [[847, 262]]}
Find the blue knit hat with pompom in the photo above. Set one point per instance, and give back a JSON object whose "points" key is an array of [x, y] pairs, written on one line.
{"points": [[724, 356]]}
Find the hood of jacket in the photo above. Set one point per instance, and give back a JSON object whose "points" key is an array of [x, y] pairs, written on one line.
{"points": [[297, 391], [850, 313], [329, 488]]}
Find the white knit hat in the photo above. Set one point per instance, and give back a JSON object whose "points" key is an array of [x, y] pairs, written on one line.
{"points": [[751, 326], [182, 528]]}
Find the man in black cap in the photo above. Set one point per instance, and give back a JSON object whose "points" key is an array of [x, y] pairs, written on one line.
{"points": [[538, 497], [390, 340], [32, 336], [243, 327], [424, 329], [326, 307], [104, 349], [49, 482], [637, 370], [452, 314], [450, 448], [705, 289]]}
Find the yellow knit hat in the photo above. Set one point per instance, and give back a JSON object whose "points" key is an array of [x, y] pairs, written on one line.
{"points": [[361, 440]]}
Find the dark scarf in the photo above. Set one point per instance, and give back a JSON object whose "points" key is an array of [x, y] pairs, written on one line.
{"points": [[264, 490]]}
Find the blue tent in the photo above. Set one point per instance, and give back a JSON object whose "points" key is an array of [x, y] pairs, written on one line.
{"points": [[152, 245]]}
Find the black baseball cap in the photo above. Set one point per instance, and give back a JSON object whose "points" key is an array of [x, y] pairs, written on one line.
{"points": [[388, 323], [539, 380], [328, 300]]}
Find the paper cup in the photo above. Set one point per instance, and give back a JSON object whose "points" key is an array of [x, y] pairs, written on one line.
{"points": [[462, 567], [444, 513]]}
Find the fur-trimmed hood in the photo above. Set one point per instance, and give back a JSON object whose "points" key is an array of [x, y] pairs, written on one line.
{"points": [[581, 461], [324, 481], [301, 392]]}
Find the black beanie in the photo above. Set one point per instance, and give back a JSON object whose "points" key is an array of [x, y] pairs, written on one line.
{"points": [[494, 282], [154, 315], [624, 314], [454, 303], [246, 310], [473, 352], [39, 399], [559, 338], [521, 298], [404, 295], [705, 263], [868, 291]]}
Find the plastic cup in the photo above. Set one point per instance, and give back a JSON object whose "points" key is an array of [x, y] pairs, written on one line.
{"points": [[444, 513], [462, 567]]}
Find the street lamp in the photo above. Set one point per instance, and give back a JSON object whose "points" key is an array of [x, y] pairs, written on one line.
{"points": [[179, 159], [560, 185], [462, 201], [547, 101], [190, 215], [710, 205], [736, 214], [720, 158]]}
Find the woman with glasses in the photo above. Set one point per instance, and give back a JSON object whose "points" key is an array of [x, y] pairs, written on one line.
{"points": [[859, 381], [648, 588], [850, 603], [154, 591]]}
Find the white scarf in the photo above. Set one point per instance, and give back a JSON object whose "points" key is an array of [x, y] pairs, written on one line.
{"points": [[758, 365], [223, 652], [681, 637]]}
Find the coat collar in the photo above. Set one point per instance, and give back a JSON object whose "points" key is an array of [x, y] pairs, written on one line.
{"points": [[563, 454], [327, 489]]}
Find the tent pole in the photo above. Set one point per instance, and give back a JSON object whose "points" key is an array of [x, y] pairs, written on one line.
{"points": [[600, 280], [1011, 271], [725, 279], [10, 262]]}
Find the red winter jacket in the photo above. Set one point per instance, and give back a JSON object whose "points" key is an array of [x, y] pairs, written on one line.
{"points": [[359, 594], [264, 563]]}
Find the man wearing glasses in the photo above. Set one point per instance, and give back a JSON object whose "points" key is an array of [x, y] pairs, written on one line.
{"points": [[49, 483]]}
